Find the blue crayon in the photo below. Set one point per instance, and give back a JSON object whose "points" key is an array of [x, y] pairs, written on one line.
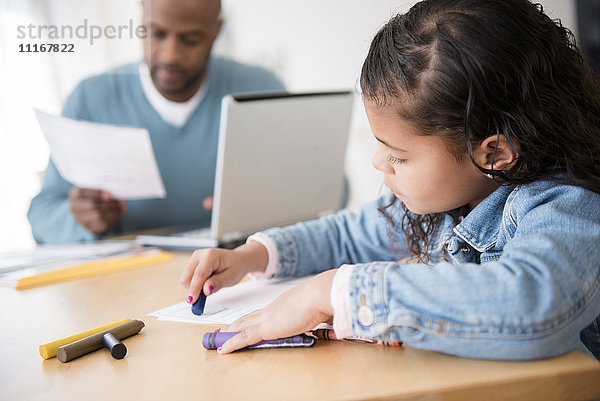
{"points": [[198, 306]]}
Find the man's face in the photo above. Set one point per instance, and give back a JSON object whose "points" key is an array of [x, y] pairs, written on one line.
{"points": [[178, 45]]}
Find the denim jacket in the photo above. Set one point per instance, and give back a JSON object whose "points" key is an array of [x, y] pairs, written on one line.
{"points": [[518, 278]]}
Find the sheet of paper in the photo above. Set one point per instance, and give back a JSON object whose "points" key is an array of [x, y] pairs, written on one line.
{"points": [[230, 303], [117, 159], [48, 254], [16, 265]]}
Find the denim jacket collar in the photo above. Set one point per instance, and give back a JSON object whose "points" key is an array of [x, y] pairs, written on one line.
{"points": [[481, 226]]}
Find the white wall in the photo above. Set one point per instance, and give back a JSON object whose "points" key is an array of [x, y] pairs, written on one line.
{"points": [[311, 44], [315, 45], [43, 80]]}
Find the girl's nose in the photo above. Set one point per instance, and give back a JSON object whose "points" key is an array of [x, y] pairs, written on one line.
{"points": [[379, 161]]}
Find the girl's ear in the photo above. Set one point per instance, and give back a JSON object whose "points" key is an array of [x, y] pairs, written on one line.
{"points": [[496, 153]]}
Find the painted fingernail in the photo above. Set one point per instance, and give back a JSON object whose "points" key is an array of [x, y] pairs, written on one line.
{"points": [[217, 330], [211, 289], [189, 300], [220, 348]]}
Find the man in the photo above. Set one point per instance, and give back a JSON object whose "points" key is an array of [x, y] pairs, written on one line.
{"points": [[176, 94]]}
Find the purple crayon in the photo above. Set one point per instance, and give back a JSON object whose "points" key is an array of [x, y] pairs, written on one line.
{"points": [[213, 340]]}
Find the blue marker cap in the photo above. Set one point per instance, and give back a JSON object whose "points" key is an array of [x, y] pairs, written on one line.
{"points": [[198, 306]]}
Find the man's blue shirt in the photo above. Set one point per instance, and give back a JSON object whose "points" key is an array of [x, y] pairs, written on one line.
{"points": [[186, 156]]}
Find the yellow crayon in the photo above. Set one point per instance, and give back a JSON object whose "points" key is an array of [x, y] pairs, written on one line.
{"points": [[48, 350]]}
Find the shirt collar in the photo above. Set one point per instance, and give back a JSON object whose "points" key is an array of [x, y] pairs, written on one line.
{"points": [[481, 226], [174, 113]]}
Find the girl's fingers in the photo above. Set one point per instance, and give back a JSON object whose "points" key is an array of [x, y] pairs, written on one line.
{"points": [[202, 264], [243, 339], [244, 321], [188, 271], [199, 277], [209, 270], [217, 281]]}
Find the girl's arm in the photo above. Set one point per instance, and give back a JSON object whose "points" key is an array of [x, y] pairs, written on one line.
{"points": [[343, 238], [531, 302], [324, 244]]}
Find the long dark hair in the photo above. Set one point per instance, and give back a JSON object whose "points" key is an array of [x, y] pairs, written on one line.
{"points": [[468, 69]]}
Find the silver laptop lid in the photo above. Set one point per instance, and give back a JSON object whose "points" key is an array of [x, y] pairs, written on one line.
{"points": [[280, 160]]}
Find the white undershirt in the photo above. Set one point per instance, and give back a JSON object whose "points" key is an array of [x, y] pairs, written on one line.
{"points": [[174, 113]]}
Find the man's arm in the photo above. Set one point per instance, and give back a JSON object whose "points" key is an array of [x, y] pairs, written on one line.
{"points": [[61, 213], [50, 213]]}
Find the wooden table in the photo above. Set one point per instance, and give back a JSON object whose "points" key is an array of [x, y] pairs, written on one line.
{"points": [[166, 361]]}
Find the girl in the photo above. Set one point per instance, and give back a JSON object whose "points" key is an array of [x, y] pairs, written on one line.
{"points": [[488, 122]]}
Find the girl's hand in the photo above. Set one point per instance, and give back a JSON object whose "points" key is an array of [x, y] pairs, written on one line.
{"points": [[209, 270], [296, 311]]}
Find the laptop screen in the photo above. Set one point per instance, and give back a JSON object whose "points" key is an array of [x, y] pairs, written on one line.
{"points": [[280, 160]]}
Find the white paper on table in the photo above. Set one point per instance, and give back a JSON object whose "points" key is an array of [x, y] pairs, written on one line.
{"points": [[15, 266], [45, 255], [230, 303], [119, 160]]}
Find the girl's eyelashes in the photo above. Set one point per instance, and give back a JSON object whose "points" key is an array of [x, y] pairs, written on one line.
{"points": [[394, 160]]}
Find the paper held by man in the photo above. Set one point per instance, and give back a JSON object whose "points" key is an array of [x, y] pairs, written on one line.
{"points": [[119, 160]]}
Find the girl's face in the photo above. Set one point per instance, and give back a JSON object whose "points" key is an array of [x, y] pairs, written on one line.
{"points": [[420, 170]]}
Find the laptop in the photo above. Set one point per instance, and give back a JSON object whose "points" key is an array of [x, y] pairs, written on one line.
{"points": [[280, 160]]}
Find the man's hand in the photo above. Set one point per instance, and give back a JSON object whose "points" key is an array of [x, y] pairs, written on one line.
{"points": [[207, 203], [96, 210]]}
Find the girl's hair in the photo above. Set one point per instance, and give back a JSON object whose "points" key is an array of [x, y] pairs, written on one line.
{"points": [[468, 69]]}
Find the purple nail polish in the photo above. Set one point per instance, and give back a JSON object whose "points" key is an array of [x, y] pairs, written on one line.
{"points": [[211, 289], [189, 299], [217, 330]]}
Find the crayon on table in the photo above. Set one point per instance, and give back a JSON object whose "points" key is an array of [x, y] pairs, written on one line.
{"points": [[117, 349], [329, 334], [214, 340], [48, 350], [94, 342]]}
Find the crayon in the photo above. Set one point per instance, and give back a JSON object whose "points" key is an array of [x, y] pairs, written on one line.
{"points": [[213, 340], [328, 334], [48, 350], [117, 349], [86, 345], [198, 306]]}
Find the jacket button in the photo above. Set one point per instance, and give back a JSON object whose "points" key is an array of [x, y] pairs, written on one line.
{"points": [[365, 316]]}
